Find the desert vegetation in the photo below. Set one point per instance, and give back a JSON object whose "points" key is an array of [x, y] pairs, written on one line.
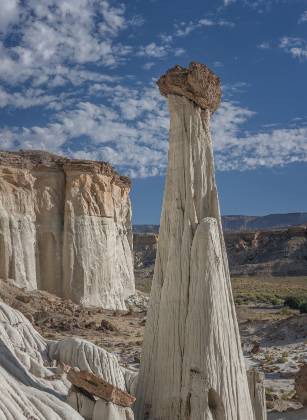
{"points": [[288, 291]]}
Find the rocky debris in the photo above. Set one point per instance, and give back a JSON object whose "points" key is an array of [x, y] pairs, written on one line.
{"points": [[191, 335], [282, 406], [33, 388], [106, 325], [196, 83], [144, 248], [97, 387], [65, 227], [56, 318], [138, 302], [256, 348]]}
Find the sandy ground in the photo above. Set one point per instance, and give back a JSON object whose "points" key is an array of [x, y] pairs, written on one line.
{"points": [[273, 340], [291, 415]]}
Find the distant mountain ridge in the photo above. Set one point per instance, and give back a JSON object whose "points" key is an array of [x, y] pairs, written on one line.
{"points": [[270, 221], [246, 223]]}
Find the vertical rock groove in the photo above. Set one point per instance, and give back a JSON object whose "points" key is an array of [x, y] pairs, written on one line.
{"points": [[192, 365]]}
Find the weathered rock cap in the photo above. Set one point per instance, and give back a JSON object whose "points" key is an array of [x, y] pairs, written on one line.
{"points": [[42, 160], [197, 83]]}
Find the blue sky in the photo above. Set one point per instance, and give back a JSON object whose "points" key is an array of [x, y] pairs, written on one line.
{"points": [[77, 77]]}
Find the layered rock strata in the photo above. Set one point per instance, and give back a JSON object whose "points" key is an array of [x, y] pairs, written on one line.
{"points": [[281, 252], [65, 227], [192, 364]]}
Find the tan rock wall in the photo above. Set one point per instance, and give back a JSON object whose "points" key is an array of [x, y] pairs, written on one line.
{"points": [[65, 227]]}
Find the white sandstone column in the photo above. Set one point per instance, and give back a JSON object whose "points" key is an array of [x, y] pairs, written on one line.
{"points": [[192, 365]]}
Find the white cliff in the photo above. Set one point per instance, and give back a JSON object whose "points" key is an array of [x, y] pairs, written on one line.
{"points": [[192, 365], [65, 227]]}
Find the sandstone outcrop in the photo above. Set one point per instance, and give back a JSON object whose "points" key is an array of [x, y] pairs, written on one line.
{"points": [[65, 227], [257, 393], [281, 252], [192, 364], [33, 388]]}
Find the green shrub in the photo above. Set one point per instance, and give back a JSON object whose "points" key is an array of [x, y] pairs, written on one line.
{"points": [[295, 302], [285, 311], [303, 308], [276, 301]]}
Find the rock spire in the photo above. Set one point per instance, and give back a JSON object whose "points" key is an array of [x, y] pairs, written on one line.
{"points": [[192, 365]]}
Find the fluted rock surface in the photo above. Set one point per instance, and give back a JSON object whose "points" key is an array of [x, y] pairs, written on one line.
{"points": [[65, 227], [192, 364], [33, 388]]}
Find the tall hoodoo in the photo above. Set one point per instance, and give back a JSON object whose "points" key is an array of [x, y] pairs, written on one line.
{"points": [[192, 364]]}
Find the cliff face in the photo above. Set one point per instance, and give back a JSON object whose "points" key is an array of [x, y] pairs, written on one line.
{"points": [[281, 252], [65, 227]]}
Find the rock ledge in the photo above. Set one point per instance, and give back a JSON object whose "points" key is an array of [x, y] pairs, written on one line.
{"points": [[42, 160]]}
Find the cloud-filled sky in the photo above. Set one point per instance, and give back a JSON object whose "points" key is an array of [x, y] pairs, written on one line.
{"points": [[77, 77]]}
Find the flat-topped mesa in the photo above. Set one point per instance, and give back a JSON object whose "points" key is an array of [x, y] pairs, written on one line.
{"points": [[197, 83], [192, 365], [65, 227]]}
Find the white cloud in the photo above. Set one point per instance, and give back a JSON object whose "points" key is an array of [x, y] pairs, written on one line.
{"points": [[35, 97], [259, 6], [303, 18], [60, 41], [297, 47], [9, 13], [227, 122], [114, 19], [278, 147], [148, 65], [264, 45], [217, 64], [66, 36], [235, 150], [132, 134], [57, 33], [185, 28], [153, 50]]}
